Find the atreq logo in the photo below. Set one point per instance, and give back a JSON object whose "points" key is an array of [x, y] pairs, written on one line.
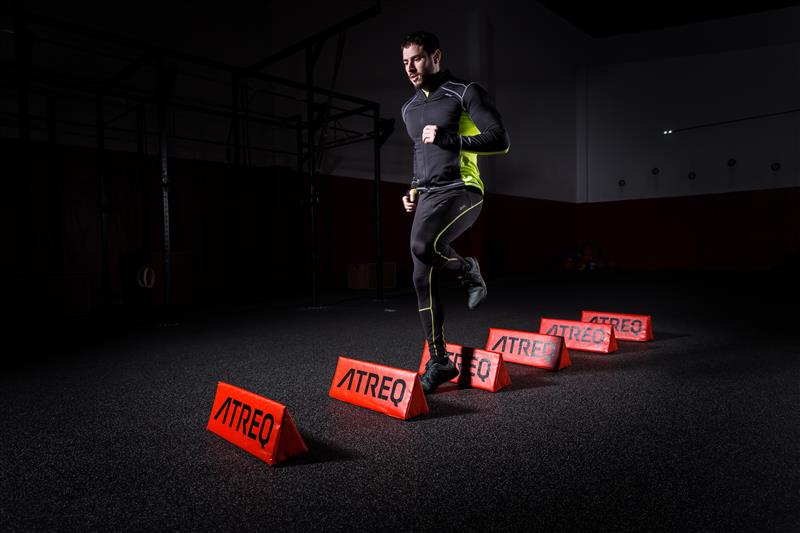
{"points": [[395, 390], [623, 325], [525, 347], [586, 334], [245, 415]]}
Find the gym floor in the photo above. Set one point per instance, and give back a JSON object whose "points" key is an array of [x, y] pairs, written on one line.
{"points": [[698, 430]]}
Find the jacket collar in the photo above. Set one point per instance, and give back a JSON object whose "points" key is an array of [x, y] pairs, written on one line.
{"points": [[437, 80]]}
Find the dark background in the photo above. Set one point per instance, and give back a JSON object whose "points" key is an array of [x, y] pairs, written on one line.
{"points": [[236, 230], [106, 383]]}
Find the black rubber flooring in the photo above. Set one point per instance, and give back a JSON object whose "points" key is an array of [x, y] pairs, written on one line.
{"points": [[699, 430]]}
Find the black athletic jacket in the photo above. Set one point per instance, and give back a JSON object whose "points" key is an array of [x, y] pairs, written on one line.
{"points": [[469, 125]]}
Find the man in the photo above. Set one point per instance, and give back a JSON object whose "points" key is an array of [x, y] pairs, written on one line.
{"points": [[450, 121]]}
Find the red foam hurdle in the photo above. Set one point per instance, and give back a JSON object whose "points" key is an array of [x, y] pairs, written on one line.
{"points": [[385, 389], [255, 424], [627, 327], [487, 370], [581, 335], [531, 349]]}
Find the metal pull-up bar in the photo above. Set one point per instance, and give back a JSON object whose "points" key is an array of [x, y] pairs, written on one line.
{"points": [[155, 57], [312, 47]]}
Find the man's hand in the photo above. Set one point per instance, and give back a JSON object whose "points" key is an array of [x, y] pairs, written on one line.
{"points": [[410, 201], [446, 139], [429, 133]]}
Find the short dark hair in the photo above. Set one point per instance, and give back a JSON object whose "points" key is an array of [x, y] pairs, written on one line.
{"points": [[428, 41]]}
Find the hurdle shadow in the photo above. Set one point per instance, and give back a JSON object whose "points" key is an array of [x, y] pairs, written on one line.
{"points": [[629, 356], [524, 377], [627, 347], [319, 451], [631, 347], [464, 377], [437, 408], [668, 336], [465, 368]]}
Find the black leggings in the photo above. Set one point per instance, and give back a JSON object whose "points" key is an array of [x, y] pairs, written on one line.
{"points": [[440, 217]]}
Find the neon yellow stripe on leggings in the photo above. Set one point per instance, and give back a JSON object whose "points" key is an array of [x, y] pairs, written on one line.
{"points": [[436, 240]]}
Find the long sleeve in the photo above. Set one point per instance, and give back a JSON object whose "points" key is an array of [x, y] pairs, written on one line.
{"points": [[493, 137]]}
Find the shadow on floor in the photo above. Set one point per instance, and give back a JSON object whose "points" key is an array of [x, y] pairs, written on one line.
{"points": [[438, 408], [523, 378], [319, 451], [668, 335]]}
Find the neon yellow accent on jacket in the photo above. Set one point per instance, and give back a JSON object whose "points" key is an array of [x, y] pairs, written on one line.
{"points": [[470, 174]]}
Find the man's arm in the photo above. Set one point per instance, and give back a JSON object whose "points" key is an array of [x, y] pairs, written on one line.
{"points": [[493, 137]]}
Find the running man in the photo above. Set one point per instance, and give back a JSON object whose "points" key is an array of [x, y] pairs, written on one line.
{"points": [[450, 121]]}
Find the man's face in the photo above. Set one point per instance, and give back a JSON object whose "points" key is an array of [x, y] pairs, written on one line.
{"points": [[419, 64]]}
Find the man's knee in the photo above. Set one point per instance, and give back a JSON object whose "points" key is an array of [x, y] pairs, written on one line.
{"points": [[424, 252]]}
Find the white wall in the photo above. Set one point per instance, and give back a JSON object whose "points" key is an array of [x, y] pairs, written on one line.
{"points": [[639, 85]]}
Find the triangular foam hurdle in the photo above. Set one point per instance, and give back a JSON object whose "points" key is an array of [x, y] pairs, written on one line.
{"points": [[581, 335], [563, 359], [392, 391], [528, 348], [502, 380], [290, 442], [627, 327], [418, 404], [256, 424]]}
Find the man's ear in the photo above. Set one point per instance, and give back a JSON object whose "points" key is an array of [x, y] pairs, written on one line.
{"points": [[437, 56]]}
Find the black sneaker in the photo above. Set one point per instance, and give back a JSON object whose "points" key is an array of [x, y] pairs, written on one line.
{"points": [[436, 374], [473, 283]]}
